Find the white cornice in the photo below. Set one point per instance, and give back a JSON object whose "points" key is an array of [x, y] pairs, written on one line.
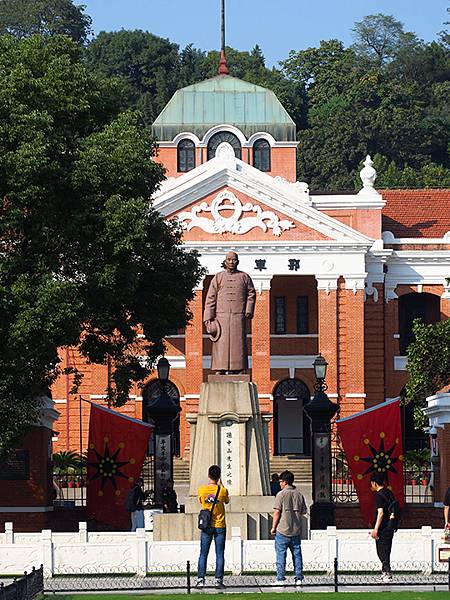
{"points": [[288, 248], [245, 143], [348, 201], [389, 238], [283, 196], [411, 257]]}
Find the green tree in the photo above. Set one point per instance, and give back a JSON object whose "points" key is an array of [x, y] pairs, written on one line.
{"points": [[23, 18], [148, 66], [428, 361], [380, 37], [354, 108], [86, 262]]}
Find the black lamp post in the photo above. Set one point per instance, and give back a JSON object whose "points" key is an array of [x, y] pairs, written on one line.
{"points": [[321, 410], [163, 411]]}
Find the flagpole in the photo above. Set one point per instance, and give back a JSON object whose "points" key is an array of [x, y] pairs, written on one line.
{"points": [[222, 26], [81, 449]]}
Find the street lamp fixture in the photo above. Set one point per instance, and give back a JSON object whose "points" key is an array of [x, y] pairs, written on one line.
{"points": [[163, 368], [162, 411], [321, 410], [320, 371]]}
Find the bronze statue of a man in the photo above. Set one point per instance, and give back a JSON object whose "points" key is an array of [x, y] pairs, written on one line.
{"points": [[229, 302]]}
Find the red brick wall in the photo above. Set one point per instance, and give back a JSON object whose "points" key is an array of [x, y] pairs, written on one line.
{"points": [[38, 489], [414, 516], [328, 336], [283, 161], [374, 348], [444, 461], [261, 343]]}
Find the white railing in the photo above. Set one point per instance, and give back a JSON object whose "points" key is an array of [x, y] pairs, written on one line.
{"points": [[86, 552]]}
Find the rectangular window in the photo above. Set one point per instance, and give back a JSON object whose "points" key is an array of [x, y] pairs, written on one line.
{"points": [[280, 314], [302, 315]]}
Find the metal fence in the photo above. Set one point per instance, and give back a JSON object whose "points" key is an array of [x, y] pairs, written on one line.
{"points": [[261, 577], [25, 588], [417, 484], [70, 489]]}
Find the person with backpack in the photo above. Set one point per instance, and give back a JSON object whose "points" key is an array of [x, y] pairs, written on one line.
{"points": [[211, 522], [386, 523], [134, 504]]}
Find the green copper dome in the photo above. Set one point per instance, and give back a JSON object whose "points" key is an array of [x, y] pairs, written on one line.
{"points": [[224, 99]]}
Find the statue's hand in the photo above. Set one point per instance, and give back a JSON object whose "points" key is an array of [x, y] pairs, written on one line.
{"points": [[248, 315]]}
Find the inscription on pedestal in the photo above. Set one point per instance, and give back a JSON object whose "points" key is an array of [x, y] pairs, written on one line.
{"points": [[229, 456], [16, 466]]}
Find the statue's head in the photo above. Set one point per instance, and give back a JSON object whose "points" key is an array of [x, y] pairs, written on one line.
{"points": [[231, 262]]}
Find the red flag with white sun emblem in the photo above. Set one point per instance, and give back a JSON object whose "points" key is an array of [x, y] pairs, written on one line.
{"points": [[117, 450], [372, 442]]}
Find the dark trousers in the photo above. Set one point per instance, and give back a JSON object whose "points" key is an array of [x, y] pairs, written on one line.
{"points": [[384, 546]]}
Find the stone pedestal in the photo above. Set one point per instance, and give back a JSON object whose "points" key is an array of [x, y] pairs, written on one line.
{"points": [[229, 431], [438, 413], [26, 478]]}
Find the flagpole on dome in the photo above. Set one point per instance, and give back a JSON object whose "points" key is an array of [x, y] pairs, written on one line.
{"points": [[223, 67]]}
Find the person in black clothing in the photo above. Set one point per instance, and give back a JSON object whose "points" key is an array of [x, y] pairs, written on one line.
{"points": [[134, 504], [169, 498], [384, 528], [447, 509], [275, 484]]}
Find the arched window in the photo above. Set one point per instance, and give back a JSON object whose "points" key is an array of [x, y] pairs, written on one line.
{"points": [[261, 155], [416, 306], [224, 136], [186, 156]]}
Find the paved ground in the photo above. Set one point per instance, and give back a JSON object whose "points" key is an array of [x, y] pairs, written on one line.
{"points": [[247, 583]]}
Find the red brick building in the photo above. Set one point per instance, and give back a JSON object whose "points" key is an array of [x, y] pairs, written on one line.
{"points": [[343, 274]]}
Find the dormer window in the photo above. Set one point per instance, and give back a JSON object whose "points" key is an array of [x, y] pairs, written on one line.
{"points": [[261, 155], [185, 156], [224, 136]]}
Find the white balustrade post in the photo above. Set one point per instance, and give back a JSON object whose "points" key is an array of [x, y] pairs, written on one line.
{"points": [[236, 550], [83, 532], [47, 552], [427, 543], [9, 533], [332, 539], [141, 552]]}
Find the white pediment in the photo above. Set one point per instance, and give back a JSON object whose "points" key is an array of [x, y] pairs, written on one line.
{"points": [[290, 199], [243, 218]]}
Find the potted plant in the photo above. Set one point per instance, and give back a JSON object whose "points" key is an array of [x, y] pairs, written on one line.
{"points": [[417, 464], [65, 465]]}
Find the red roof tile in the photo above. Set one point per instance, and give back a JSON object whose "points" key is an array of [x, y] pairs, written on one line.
{"points": [[416, 213]]}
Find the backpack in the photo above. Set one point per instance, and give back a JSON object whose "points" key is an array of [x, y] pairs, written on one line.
{"points": [[394, 510]]}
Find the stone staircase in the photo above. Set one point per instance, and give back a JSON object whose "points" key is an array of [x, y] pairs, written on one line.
{"points": [[180, 470], [301, 467]]}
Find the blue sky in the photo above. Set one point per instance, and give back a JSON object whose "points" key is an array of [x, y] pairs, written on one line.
{"points": [[276, 25]]}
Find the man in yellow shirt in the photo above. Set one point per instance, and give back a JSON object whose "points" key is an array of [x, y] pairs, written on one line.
{"points": [[206, 496]]}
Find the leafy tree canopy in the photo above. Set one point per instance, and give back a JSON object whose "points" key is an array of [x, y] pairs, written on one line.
{"points": [[428, 361], [147, 64], [85, 261], [23, 18], [380, 37]]}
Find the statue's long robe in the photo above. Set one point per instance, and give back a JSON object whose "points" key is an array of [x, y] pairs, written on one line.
{"points": [[230, 297]]}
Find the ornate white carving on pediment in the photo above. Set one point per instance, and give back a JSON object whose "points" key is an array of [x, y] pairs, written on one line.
{"points": [[299, 187], [237, 222], [225, 152]]}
